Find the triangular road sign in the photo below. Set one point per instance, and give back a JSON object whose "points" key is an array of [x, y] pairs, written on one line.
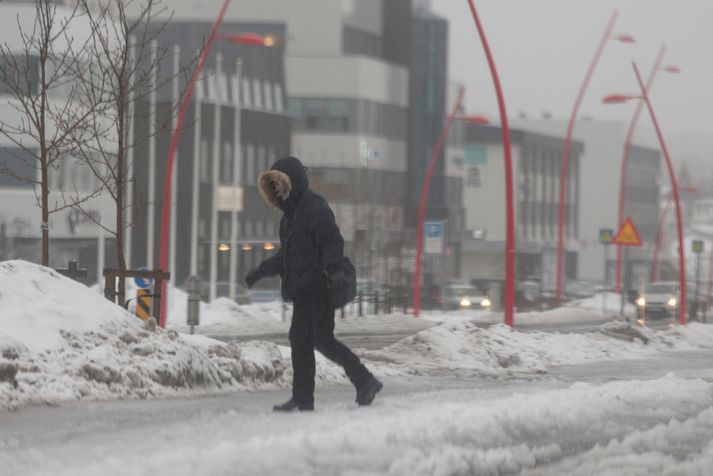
{"points": [[627, 235]]}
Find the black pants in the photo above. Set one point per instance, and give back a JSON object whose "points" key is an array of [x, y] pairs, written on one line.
{"points": [[313, 328]]}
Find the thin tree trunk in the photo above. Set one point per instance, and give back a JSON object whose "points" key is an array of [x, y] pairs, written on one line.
{"points": [[45, 215]]}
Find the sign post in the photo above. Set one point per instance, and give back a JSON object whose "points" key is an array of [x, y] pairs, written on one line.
{"points": [[698, 250], [434, 233], [606, 236], [626, 236]]}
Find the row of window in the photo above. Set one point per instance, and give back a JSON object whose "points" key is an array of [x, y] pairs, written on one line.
{"points": [[353, 116], [255, 159], [247, 229], [253, 93]]}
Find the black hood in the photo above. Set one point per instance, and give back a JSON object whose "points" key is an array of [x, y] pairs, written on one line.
{"points": [[284, 183]]}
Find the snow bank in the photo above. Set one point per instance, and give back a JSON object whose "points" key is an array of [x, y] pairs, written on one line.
{"points": [[462, 348], [60, 340]]}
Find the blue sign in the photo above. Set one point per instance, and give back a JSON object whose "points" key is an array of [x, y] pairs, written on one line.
{"points": [[143, 283], [434, 233]]}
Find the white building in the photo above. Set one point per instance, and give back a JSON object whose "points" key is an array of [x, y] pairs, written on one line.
{"points": [[599, 192], [74, 235]]}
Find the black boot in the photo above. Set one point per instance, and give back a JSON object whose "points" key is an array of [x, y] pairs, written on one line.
{"points": [[366, 392], [291, 405]]}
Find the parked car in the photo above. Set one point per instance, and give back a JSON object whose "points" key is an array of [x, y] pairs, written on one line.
{"points": [[460, 295], [579, 289], [659, 299], [368, 286]]}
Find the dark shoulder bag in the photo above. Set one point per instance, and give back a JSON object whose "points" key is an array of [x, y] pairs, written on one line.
{"points": [[340, 297]]}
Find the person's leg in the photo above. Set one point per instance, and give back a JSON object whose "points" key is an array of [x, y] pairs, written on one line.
{"points": [[302, 345], [336, 351]]}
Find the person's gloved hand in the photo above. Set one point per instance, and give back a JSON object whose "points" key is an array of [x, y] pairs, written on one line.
{"points": [[253, 277]]}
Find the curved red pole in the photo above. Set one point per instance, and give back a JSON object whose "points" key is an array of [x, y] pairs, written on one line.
{"points": [[565, 152], [674, 186], [425, 187], [658, 243], [166, 211], [625, 163], [509, 206]]}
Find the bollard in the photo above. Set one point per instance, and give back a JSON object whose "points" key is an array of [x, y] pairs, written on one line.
{"points": [[193, 287], [376, 303], [360, 305]]}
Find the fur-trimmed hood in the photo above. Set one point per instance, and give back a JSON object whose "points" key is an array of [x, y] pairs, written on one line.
{"points": [[284, 183]]}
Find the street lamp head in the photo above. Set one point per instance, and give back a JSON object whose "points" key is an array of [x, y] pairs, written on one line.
{"points": [[672, 68], [474, 119], [250, 39], [617, 98], [624, 38]]}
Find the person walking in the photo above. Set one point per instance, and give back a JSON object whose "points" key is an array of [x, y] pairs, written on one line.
{"points": [[308, 263]]}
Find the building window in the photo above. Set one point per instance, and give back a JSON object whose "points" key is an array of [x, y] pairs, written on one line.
{"points": [[257, 94], [250, 164], [246, 99], [279, 102], [227, 165], [205, 161], [267, 86]]}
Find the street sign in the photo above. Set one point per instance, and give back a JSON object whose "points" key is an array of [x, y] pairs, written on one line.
{"points": [[627, 235], [143, 304], [434, 234], [143, 283], [606, 236], [698, 246]]}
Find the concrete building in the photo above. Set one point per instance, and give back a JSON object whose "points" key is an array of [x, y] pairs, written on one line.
{"points": [[536, 160], [599, 193], [235, 128]]}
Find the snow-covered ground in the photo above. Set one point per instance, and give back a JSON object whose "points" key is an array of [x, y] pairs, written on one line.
{"points": [[460, 397]]}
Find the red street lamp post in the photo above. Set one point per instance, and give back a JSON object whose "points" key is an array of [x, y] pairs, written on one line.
{"points": [[244, 38], [658, 243], [568, 140], [621, 98], [625, 156], [509, 205], [425, 187]]}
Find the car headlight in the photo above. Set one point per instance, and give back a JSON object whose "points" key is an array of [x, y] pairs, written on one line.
{"points": [[672, 302], [465, 302], [485, 302], [641, 302]]}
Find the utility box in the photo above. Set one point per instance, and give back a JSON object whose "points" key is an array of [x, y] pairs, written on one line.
{"points": [[193, 288]]}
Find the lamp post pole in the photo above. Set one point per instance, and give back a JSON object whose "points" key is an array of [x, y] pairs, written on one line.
{"points": [[658, 241], [625, 161], [425, 187], [674, 186], [166, 212], [568, 140], [509, 205]]}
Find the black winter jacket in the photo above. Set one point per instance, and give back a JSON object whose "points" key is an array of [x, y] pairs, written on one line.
{"points": [[310, 242]]}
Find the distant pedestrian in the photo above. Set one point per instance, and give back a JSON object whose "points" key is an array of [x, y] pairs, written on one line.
{"points": [[309, 262]]}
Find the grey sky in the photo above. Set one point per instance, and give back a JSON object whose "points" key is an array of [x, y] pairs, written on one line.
{"points": [[543, 47]]}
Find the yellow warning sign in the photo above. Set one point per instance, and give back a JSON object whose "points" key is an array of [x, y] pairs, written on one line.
{"points": [[628, 236], [143, 304]]}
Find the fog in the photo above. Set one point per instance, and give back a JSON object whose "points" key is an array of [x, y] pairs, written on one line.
{"points": [[543, 48]]}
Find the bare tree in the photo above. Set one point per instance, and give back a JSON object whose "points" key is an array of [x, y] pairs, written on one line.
{"points": [[35, 73], [124, 69]]}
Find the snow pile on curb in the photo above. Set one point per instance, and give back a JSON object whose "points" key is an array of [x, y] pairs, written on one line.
{"points": [[463, 348], [59, 340]]}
